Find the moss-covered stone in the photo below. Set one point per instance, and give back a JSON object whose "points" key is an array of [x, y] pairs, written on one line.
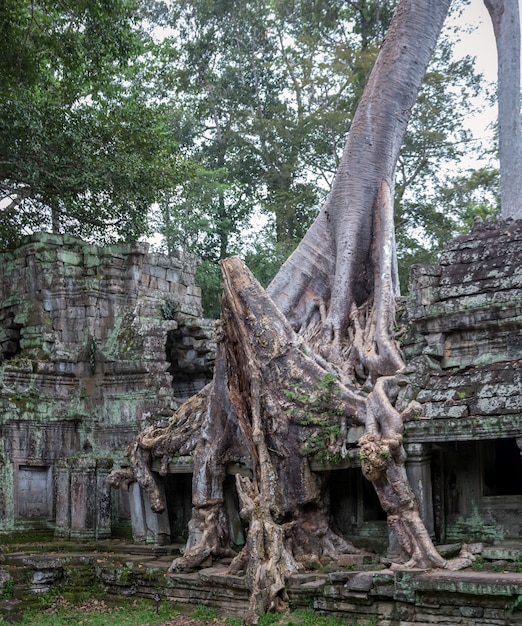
{"points": [[84, 362]]}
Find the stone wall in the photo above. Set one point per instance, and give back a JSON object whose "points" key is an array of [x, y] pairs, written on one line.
{"points": [[99, 342], [84, 366], [464, 350], [463, 347]]}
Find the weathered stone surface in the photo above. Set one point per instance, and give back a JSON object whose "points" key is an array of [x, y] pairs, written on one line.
{"points": [[474, 304], [463, 346], [88, 360], [388, 597], [84, 367]]}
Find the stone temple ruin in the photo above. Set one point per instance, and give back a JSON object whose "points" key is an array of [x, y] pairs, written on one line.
{"points": [[97, 343]]}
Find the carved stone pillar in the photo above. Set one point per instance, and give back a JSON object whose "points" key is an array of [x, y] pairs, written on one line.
{"points": [[103, 499], [418, 470], [63, 499], [139, 526], [147, 526], [83, 498], [83, 503]]}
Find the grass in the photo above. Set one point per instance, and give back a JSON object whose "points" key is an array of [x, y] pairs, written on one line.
{"points": [[97, 613], [303, 618], [205, 613], [93, 612]]}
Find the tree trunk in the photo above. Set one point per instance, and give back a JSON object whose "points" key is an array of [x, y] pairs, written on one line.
{"points": [[333, 268], [506, 25], [265, 403], [56, 218], [299, 364]]}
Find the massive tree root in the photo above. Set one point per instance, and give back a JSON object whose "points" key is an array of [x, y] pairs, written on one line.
{"points": [[269, 399], [269, 378], [179, 437]]}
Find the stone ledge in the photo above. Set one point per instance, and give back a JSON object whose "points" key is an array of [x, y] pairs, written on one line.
{"points": [[469, 582], [414, 597], [463, 429]]}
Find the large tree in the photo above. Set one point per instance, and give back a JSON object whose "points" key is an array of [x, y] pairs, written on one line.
{"points": [[299, 364], [85, 147]]}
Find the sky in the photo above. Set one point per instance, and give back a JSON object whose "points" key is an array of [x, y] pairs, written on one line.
{"points": [[481, 44]]}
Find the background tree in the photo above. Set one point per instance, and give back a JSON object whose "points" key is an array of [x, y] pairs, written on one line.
{"points": [[275, 85], [427, 218], [95, 115], [215, 66], [84, 146], [506, 25]]}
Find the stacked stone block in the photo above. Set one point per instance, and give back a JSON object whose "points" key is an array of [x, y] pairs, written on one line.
{"points": [[83, 364], [464, 322], [467, 310], [463, 347]]}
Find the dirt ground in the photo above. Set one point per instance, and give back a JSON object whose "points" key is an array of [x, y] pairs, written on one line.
{"points": [[182, 620], [99, 606]]}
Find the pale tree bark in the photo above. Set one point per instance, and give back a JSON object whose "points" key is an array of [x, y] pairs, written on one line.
{"points": [[299, 364], [333, 268], [506, 25]]}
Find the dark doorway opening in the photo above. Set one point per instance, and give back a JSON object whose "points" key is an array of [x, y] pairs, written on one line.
{"points": [[178, 494], [502, 468]]}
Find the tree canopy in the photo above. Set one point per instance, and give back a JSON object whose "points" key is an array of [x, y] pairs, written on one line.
{"points": [[230, 127], [273, 88], [85, 145]]}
